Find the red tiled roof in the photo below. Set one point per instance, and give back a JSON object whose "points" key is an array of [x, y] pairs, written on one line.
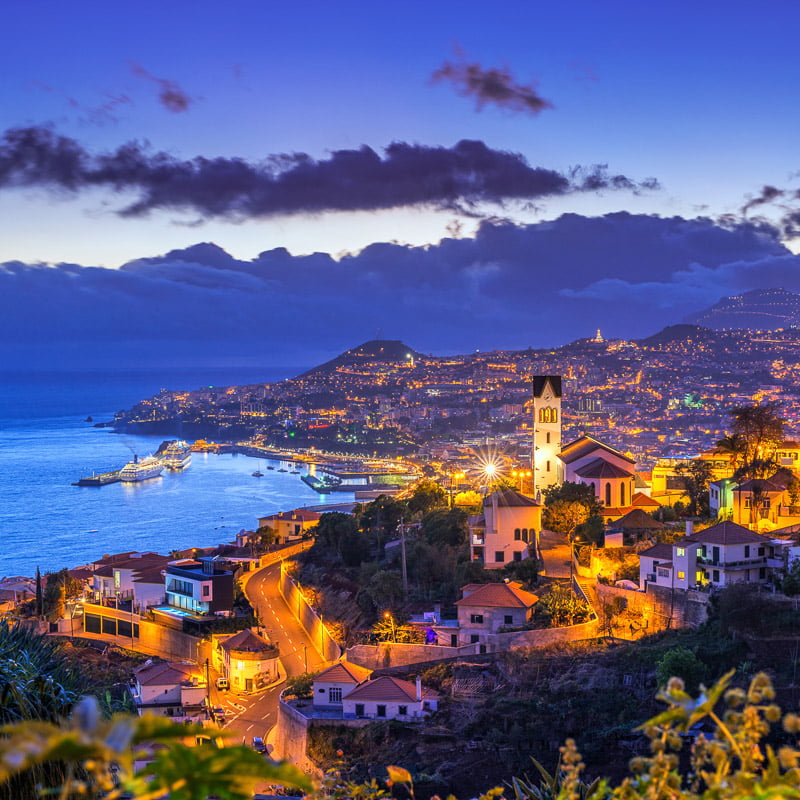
{"points": [[390, 690], [638, 519], [247, 641], [659, 551], [344, 672], [727, 533], [641, 499], [168, 674], [498, 595]]}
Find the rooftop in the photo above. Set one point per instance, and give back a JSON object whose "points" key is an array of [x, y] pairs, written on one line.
{"points": [[497, 595]]}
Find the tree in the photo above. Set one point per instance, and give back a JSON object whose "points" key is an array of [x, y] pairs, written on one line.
{"points": [[680, 663], [568, 505], [382, 517], [339, 533], [591, 531], [446, 528], [760, 430], [427, 495], [301, 685], [696, 475], [262, 540], [60, 586]]}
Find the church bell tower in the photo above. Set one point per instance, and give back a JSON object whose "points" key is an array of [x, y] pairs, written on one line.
{"points": [[545, 463]]}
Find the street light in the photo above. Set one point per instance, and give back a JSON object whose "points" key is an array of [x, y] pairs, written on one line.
{"points": [[387, 615]]}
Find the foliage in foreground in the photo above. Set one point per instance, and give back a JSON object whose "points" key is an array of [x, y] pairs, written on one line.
{"points": [[141, 757], [735, 762]]}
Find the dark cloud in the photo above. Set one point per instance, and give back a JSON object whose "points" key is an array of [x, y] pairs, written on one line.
{"points": [[102, 113], [768, 194], [508, 286], [493, 85], [458, 178], [170, 94]]}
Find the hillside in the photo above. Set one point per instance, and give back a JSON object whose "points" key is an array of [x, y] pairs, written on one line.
{"points": [[389, 351], [760, 309]]}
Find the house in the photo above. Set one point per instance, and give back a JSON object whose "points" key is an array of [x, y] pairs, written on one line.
{"points": [[173, 689], [508, 530], [248, 659], [289, 525], [611, 473], [117, 577], [635, 526], [720, 498], [767, 503], [486, 608], [336, 682], [387, 697], [201, 586], [721, 555]]}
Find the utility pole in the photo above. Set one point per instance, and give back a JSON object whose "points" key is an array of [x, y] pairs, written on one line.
{"points": [[403, 557]]}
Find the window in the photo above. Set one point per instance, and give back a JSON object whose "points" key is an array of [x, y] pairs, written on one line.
{"points": [[517, 555], [622, 494], [476, 619], [548, 437], [426, 705], [508, 619], [473, 638], [206, 590], [680, 551], [482, 649], [608, 495], [765, 503], [499, 556], [525, 535], [359, 709], [335, 695], [381, 711], [548, 466], [747, 551], [663, 573], [517, 534], [761, 551], [402, 711], [715, 576], [681, 575], [747, 502], [762, 573]]}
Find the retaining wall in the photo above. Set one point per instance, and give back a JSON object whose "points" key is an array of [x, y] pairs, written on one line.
{"points": [[310, 621], [392, 654]]}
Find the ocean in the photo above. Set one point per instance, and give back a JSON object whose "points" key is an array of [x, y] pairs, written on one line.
{"points": [[46, 444]]}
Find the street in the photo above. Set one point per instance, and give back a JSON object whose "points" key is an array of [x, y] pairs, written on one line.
{"points": [[254, 715]]}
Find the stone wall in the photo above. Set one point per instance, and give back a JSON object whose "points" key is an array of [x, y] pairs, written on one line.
{"points": [[311, 623], [659, 608], [392, 654]]}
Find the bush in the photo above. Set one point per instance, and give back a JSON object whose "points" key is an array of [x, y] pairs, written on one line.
{"points": [[681, 663]]}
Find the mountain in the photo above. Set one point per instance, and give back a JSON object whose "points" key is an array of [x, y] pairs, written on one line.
{"points": [[759, 309], [678, 333], [388, 351]]}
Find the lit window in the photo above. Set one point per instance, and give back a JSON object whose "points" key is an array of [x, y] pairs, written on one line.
{"points": [[680, 551], [681, 575], [334, 695]]}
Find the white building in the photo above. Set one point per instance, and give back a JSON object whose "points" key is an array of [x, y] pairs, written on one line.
{"points": [[508, 530], [171, 689], [390, 698], [546, 432], [611, 473]]}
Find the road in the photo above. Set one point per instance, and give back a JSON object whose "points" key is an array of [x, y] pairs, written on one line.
{"points": [[254, 715], [554, 550]]}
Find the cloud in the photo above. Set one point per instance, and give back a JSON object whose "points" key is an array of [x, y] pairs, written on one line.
{"points": [[768, 194], [100, 114], [493, 85], [170, 94], [509, 286], [458, 178]]}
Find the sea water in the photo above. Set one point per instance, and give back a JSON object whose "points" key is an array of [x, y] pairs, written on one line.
{"points": [[46, 445]]}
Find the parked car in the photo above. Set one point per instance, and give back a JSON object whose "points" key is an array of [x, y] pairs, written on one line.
{"points": [[223, 684], [218, 715], [258, 745]]}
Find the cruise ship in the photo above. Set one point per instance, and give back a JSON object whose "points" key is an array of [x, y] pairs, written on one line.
{"points": [[177, 455], [150, 467]]}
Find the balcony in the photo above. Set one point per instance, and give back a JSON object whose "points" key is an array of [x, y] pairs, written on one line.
{"points": [[759, 561]]}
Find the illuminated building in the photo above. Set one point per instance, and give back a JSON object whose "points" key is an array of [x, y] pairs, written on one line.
{"points": [[546, 432]]}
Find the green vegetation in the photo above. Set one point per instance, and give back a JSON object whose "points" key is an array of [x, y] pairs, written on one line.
{"points": [[569, 505]]}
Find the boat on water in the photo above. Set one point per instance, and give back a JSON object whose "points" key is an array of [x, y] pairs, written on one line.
{"points": [[258, 474], [270, 467], [177, 455], [283, 470], [136, 470]]}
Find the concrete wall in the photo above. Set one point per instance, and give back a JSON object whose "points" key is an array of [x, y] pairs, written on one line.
{"points": [[323, 642], [153, 639]]}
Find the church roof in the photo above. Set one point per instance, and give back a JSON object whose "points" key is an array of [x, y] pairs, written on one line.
{"points": [[508, 498], [541, 381], [600, 468], [585, 445]]}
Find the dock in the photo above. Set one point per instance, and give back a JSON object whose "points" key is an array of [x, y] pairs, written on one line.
{"points": [[99, 480]]}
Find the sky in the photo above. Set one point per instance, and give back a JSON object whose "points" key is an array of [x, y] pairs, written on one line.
{"points": [[439, 158]]}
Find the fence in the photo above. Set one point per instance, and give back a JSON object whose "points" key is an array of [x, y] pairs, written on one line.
{"points": [[310, 621]]}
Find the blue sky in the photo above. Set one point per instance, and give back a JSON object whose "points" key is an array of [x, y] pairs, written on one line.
{"points": [[700, 97]]}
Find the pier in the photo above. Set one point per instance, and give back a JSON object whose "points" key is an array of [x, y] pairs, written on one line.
{"points": [[99, 480]]}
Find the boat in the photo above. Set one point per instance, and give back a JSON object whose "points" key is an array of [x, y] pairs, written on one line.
{"points": [[133, 471], [270, 467], [258, 474], [283, 470], [177, 455]]}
